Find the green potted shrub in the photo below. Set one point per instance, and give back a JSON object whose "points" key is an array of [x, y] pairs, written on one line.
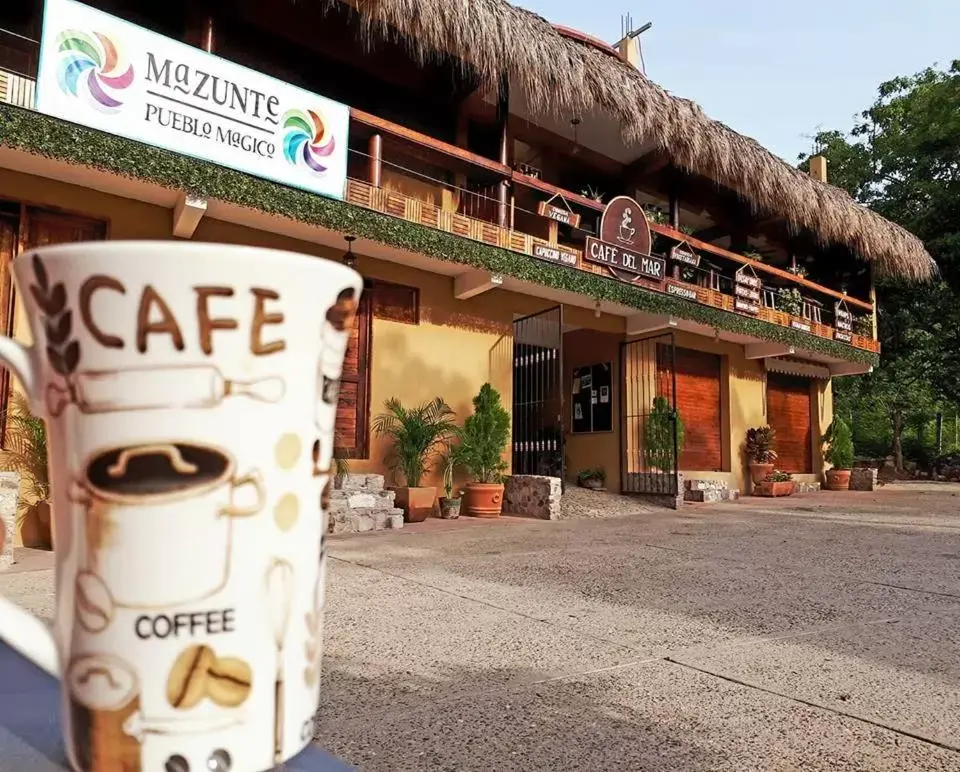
{"points": [[483, 440], [776, 484], [26, 454], [760, 453], [838, 452], [594, 478], [449, 504], [658, 436], [416, 435], [863, 326], [790, 301]]}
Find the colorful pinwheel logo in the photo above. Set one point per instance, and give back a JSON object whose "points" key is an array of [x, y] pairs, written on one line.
{"points": [[307, 138], [91, 67]]}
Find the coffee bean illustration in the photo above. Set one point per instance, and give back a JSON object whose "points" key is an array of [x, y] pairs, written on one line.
{"points": [[229, 681], [187, 682], [94, 602]]}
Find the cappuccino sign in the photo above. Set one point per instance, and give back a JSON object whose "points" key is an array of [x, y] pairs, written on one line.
{"points": [[108, 74], [624, 243]]}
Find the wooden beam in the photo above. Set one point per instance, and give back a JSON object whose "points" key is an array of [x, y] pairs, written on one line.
{"points": [[376, 160], [638, 324], [850, 368], [473, 283], [187, 214], [765, 350], [647, 164], [415, 137]]}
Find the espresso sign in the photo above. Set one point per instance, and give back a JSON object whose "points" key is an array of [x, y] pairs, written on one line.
{"points": [[555, 254], [624, 243], [683, 254], [798, 325], [681, 292], [559, 214], [746, 289]]}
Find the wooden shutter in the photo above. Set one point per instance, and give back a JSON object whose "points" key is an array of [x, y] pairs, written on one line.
{"points": [[45, 228], [352, 437], [698, 403], [789, 413]]}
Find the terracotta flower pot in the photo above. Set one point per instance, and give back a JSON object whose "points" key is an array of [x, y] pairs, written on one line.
{"points": [[417, 503], [759, 472], [775, 489], [838, 479], [449, 508], [484, 499]]}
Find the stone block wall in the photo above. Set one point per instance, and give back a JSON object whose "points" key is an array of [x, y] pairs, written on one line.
{"points": [[863, 479], [532, 496], [359, 503], [9, 498]]}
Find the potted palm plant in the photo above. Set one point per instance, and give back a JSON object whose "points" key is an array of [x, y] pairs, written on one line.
{"points": [[838, 452], [417, 435], [449, 503], [760, 452], [483, 439], [26, 454]]}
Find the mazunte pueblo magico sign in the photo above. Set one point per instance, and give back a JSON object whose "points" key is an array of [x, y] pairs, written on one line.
{"points": [[624, 243], [108, 74]]}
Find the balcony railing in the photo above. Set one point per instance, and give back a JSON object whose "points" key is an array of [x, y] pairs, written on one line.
{"points": [[406, 174]]}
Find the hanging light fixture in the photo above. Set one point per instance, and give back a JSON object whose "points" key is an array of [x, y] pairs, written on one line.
{"points": [[596, 309], [350, 259], [575, 122]]}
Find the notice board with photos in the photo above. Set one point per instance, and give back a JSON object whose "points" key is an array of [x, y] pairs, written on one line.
{"points": [[591, 405]]}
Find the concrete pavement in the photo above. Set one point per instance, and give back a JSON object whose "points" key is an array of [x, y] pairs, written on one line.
{"points": [[815, 633]]}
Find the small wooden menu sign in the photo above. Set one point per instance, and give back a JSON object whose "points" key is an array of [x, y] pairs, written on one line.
{"points": [[746, 290]]}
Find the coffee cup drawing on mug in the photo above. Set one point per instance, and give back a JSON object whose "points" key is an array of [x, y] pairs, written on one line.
{"points": [[181, 407], [141, 495]]}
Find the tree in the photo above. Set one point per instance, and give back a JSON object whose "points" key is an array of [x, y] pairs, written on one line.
{"points": [[902, 159]]}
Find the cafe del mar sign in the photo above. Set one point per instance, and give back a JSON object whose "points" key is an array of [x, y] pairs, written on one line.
{"points": [[624, 243]]}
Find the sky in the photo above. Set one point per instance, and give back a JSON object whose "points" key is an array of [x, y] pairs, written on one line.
{"points": [[776, 70]]}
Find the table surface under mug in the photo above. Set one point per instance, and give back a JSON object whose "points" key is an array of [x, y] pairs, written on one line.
{"points": [[30, 723]]}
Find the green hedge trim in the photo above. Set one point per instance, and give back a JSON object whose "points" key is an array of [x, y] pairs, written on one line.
{"points": [[40, 134]]}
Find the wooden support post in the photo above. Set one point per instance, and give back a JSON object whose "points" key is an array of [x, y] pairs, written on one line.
{"points": [[208, 36], [376, 160], [503, 122], [674, 218]]}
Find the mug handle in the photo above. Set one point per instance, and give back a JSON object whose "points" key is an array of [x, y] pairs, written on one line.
{"points": [[235, 510], [20, 629]]}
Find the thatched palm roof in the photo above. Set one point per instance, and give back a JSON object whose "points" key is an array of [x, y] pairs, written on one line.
{"points": [[560, 74]]}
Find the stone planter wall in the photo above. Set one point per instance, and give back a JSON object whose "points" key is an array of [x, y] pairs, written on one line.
{"points": [[532, 496], [863, 479], [359, 503], [9, 498]]}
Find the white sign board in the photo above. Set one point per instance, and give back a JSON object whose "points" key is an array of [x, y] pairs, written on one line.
{"points": [[108, 74]]}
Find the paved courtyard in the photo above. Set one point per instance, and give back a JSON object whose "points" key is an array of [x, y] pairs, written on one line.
{"points": [[818, 633]]}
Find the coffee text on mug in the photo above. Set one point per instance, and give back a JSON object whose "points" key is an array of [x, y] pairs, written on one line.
{"points": [[155, 317], [190, 624]]}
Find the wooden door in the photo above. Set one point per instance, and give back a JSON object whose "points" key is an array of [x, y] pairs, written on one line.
{"points": [[789, 413], [698, 405], [352, 432]]}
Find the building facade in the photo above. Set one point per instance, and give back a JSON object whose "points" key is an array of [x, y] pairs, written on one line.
{"points": [[527, 208]]}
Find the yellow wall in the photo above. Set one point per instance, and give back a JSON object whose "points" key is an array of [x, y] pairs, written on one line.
{"points": [[458, 345], [589, 347]]}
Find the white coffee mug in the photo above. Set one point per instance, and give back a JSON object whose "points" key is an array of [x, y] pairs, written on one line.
{"points": [[184, 406]]}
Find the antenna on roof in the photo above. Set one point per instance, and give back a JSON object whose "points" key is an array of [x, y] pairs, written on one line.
{"points": [[627, 36]]}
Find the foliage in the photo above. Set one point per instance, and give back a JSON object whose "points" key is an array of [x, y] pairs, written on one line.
{"points": [[655, 215], [902, 159], [688, 273], [753, 255], [838, 444], [26, 451], [484, 437], [663, 424], [777, 476], [790, 301], [592, 473], [863, 325], [449, 463], [798, 270], [417, 435], [687, 229], [594, 193], [759, 445], [341, 466]]}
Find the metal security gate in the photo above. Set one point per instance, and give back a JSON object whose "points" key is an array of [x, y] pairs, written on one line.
{"points": [[648, 404], [538, 394]]}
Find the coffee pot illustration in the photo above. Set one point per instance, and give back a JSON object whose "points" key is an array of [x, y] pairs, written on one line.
{"points": [[163, 505]]}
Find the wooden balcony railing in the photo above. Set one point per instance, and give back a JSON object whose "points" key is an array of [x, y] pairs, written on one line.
{"points": [[441, 185]]}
